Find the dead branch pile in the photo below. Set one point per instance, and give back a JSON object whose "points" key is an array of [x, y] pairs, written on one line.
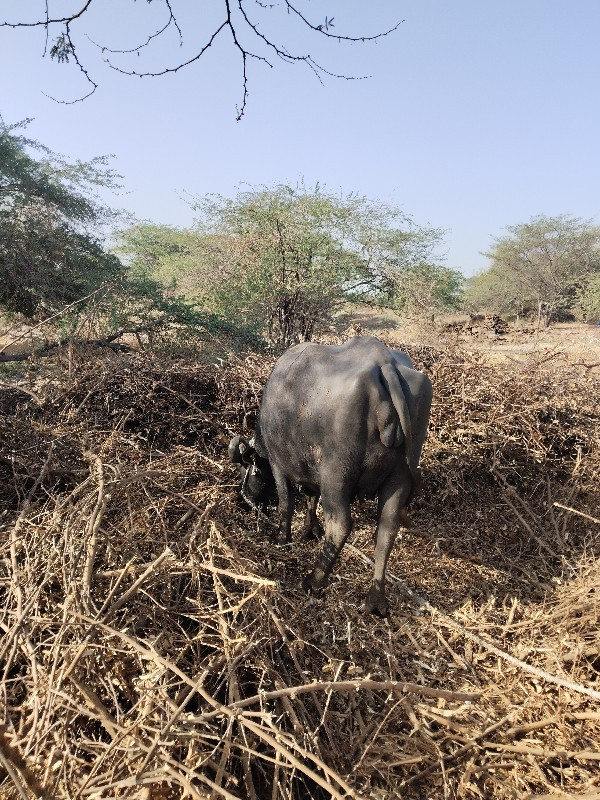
{"points": [[480, 325], [154, 645]]}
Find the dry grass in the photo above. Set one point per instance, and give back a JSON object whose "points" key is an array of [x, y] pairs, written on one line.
{"points": [[154, 645]]}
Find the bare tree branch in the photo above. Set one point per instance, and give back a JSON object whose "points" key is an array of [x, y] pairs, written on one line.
{"points": [[167, 70], [46, 22], [172, 20], [323, 29], [82, 69], [65, 45]]}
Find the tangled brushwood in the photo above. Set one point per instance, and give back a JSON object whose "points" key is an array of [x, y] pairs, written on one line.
{"points": [[154, 645]]}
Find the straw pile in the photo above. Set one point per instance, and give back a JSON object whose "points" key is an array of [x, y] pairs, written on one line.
{"points": [[154, 645]]}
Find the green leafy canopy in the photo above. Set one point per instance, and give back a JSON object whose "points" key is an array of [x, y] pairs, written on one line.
{"points": [[281, 261], [52, 226]]}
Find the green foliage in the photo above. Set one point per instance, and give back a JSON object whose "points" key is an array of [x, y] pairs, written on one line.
{"points": [[281, 261], [589, 300], [281, 257], [431, 288], [401, 269], [55, 266], [494, 291], [51, 227], [138, 303], [62, 49], [540, 267], [167, 254]]}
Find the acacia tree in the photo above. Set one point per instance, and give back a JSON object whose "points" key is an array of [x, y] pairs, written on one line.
{"points": [[168, 254], [246, 23], [51, 226], [543, 265], [427, 289], [282, 261], [273, 261], [494, 290]]}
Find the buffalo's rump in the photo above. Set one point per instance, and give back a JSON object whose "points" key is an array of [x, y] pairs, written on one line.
{"points": [[327, 418]]}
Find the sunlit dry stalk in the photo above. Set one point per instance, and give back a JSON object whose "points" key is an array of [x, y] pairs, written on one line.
{"points": [[579, 513], [487, 645], [93, 524]]}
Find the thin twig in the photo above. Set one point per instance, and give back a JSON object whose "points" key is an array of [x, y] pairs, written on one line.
{"points": [[579, 513]]}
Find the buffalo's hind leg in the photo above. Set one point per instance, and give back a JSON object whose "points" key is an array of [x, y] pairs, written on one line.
{"points": [[391, 515], [338, 524]]}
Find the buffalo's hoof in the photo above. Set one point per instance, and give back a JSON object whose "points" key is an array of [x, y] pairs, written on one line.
{"points": [[307, 585], [280, 539], [377, 604]]}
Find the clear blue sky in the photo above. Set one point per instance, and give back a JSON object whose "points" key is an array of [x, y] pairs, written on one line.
{"points": [[479, 114]]}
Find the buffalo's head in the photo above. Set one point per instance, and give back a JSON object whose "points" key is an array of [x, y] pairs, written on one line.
{"points": [[258, 484]]}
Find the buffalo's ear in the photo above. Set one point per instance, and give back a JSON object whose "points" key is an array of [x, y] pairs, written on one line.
{"points": [[234, 449], [247, 452], [241, 451]]}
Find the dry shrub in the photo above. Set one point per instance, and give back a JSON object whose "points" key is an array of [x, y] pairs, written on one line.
{"points": [[155, 645]]}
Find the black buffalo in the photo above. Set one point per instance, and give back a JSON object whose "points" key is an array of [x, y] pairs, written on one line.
{"points": [[340, 421]]}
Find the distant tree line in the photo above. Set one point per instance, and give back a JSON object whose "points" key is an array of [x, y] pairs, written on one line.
{"points": [[547, 268], [271, 265]]}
